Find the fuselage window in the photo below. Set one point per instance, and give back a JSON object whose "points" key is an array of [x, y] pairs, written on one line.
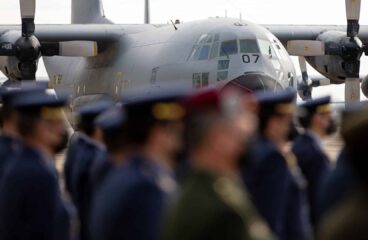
{"points": [[248, 46], [229, 48]]}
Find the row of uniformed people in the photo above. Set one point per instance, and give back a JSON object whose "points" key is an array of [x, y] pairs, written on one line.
{"points": [[283, 188], [122, 188]]}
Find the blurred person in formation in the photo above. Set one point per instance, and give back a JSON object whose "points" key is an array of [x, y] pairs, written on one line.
{"points": [[87, 137], [212, 203], [84, 150], [337, 185], [132, 200], [348, 219], [10, 144], [316, 119], [111, 122], [30, 201], [272, 176]]}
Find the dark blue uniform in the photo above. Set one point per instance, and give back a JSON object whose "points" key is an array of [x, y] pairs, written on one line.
{"points": [[71, 154], [85, 153], [30, 203], [337, 185], [131, 202], [314, 165], [9, 149], [277, 190], [99, 172]]}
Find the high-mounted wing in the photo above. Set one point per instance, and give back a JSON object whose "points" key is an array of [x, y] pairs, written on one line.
{"points": [[334, 50], [287, 33]]}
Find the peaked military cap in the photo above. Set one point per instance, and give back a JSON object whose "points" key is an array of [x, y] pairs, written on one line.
{"points": [[10, 94], [277, 102], [47, 104], [89, 112], [111, 119], [157, 107], [318, 105]]}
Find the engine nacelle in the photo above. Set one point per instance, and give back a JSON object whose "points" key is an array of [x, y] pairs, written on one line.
{"points": [[10, 65], [364, 86], [332, 67]]}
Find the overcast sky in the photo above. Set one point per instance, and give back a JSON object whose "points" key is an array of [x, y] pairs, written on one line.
{"points": [[258, 11]]}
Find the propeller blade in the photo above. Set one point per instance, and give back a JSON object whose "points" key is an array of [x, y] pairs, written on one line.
{"points": [[306, 48], [353, 9], [27, 10], [7, 49], [304, 84], [353, 16], [352, 90], [302, 64], [70, 49]]}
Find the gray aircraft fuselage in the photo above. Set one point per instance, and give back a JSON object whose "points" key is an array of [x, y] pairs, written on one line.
{"points": [[151, 58]]}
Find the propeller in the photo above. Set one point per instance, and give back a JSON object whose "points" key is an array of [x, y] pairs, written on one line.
{"points": [[305, 85], [28, 49], [350, 50]]}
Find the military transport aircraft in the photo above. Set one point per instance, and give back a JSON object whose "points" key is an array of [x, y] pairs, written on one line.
{"points": [[93, 58]]}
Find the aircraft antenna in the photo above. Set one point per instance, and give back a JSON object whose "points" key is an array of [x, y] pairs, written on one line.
{"points": [[147, 12], [176, 28]]}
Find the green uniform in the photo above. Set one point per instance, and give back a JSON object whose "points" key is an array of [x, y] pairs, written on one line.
{"points": [[214, 207], [348, 220]]}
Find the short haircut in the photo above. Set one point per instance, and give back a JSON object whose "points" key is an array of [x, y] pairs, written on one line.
{"points": [[305, 121], [115, 139], [87, 127], [27, 122], [198, 126]]}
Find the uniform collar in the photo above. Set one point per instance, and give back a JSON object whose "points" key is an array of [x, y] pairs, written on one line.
{"points": [[92, 142], [315, 138]]}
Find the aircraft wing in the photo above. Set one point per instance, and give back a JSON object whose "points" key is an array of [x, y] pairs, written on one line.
{"points": [[79, 32], [286, 33]]}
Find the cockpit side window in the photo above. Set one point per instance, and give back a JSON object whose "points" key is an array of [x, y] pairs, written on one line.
{"points": [[204, 52], [267, 48]]}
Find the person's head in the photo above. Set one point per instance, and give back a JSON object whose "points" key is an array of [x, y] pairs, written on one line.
{"points": [[154, 124], [276, 114], [316, 115], [218, 127], [41, 122], [8, 112], [112, 124], [353, 130], [86, 116]]}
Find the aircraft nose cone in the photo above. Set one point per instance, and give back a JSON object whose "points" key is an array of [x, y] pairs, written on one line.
{"points": [[254, 81]]}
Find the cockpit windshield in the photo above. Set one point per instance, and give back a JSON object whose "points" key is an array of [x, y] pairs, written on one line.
{"points": [[248, 46], [211, 46]]}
